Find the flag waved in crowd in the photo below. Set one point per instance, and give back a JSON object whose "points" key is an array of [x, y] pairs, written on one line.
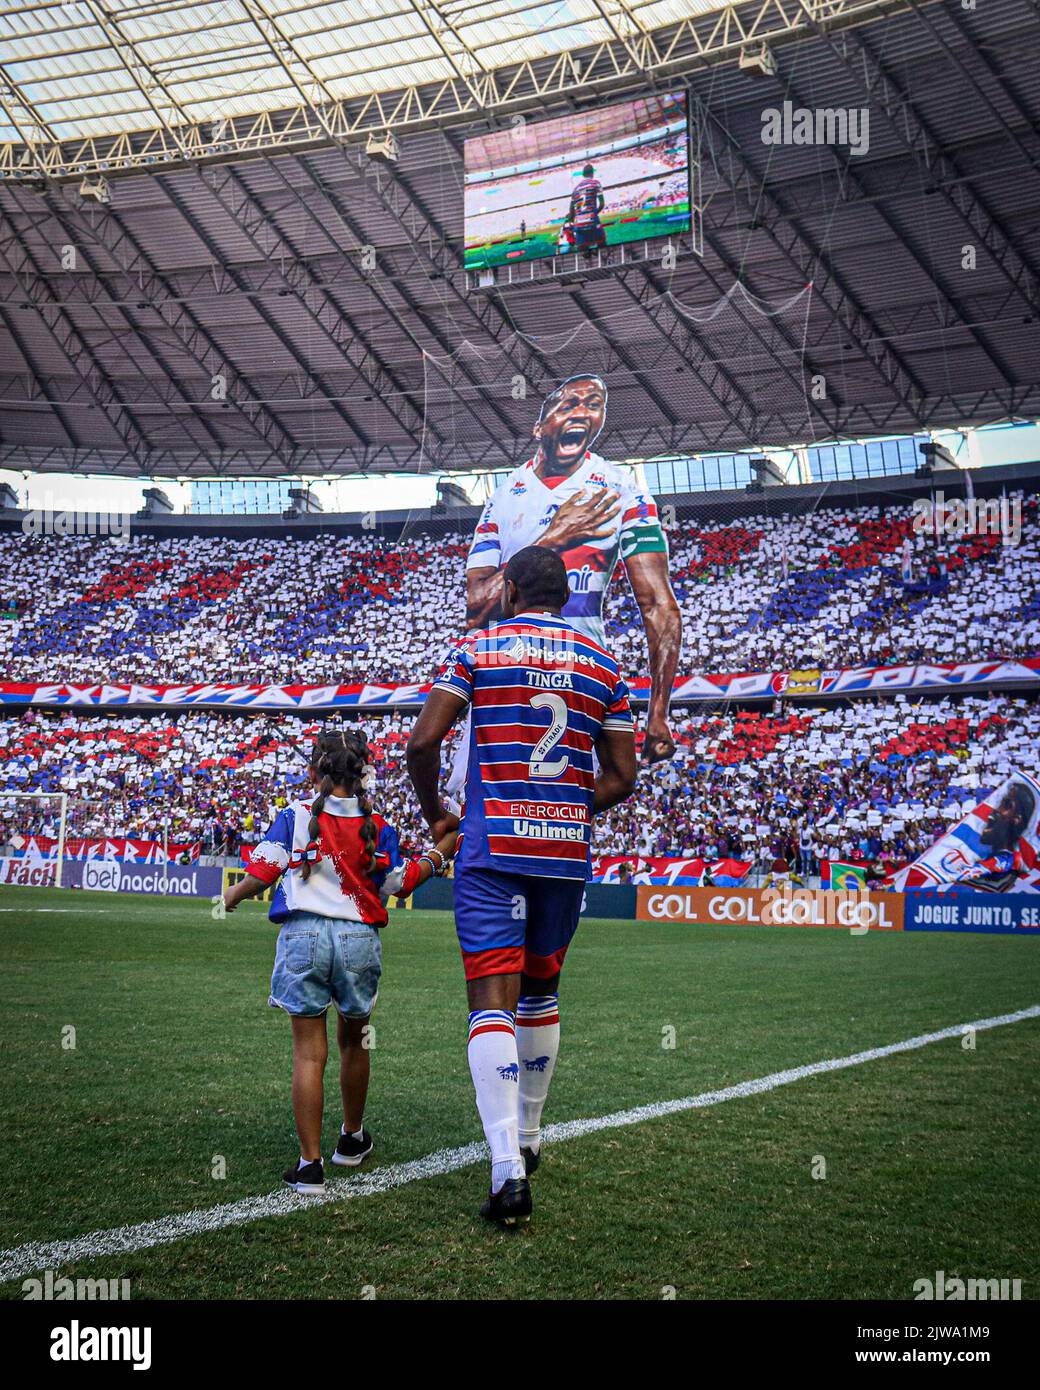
{"points": [[993, 849]]}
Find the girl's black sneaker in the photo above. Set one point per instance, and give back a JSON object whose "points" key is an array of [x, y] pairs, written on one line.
{"points": [[350, 1151], [310, 1179]]}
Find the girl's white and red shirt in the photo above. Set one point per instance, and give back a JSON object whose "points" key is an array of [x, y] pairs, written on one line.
{"points": [[340, 884]]}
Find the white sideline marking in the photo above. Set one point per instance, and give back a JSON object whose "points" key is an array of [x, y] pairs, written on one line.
{"points": [[78, 910], [124, 1240]]}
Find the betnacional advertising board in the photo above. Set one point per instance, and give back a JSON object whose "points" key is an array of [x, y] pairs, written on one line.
{"points": [[115, 876], [166, 880]]}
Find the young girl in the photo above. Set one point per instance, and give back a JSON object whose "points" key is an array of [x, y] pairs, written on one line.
{"points": [[336, 863]]}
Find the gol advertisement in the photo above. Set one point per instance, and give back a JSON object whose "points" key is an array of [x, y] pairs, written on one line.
{"points": [[776, 907]]}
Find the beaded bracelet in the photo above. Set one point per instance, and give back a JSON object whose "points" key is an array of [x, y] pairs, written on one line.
{"points": [[438, 870]]}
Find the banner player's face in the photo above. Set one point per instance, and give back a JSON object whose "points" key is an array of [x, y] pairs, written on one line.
{"points": [[572, 423], [1004, 826]]}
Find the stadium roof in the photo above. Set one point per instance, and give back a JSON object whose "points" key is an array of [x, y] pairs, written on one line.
{"points": [[219, 316], [80, 68], [188, 78]]}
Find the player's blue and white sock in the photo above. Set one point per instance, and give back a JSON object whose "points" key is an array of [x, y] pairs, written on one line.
{"points": [[495, 1070], [537, 1045]]}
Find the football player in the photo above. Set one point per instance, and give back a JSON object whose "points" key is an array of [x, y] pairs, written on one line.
{"points": [[551, 744]]}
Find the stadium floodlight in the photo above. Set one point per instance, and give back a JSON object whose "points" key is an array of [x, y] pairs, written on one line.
{"points": [[156, 503], [8, 498], [302, 501], [450, 495], [97, 189], [936, 456], [758, 60], [767, 472], [383, 147]]}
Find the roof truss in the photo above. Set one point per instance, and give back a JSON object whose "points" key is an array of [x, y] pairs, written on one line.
{"points": [[627, 56]]}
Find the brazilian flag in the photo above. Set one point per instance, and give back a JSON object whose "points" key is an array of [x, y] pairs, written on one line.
{"points": [[848, 878]]}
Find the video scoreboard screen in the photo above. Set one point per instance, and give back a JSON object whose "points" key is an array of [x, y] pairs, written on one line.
{"points": [[595, 178]]}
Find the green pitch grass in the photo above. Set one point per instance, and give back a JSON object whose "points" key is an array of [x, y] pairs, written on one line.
{"points": [[544, 241], [178, 1063]]}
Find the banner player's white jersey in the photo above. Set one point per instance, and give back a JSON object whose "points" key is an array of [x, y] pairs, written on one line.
{"points": [[519, 512]]}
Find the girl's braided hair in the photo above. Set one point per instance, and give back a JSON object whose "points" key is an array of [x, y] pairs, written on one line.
{"points": [[341, 759]]}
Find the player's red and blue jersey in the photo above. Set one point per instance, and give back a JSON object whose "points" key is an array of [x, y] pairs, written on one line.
{"points": [[585, 201], [540, 693]]}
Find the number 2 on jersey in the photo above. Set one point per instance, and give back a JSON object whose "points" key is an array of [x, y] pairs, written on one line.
{"points": [[540, 764]]}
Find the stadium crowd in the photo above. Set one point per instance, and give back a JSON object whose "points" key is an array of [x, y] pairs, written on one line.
{"points": [[867, 782], [767, 592], [770, 592], [870, 781]]}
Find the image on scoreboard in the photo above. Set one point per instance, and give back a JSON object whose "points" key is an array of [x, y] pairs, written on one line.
{"points": [[577, 183]]}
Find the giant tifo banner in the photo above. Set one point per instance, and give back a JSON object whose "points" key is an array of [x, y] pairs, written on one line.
{"points": [[994, 848], [655, 869], [43, 847], [759, 685]]}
